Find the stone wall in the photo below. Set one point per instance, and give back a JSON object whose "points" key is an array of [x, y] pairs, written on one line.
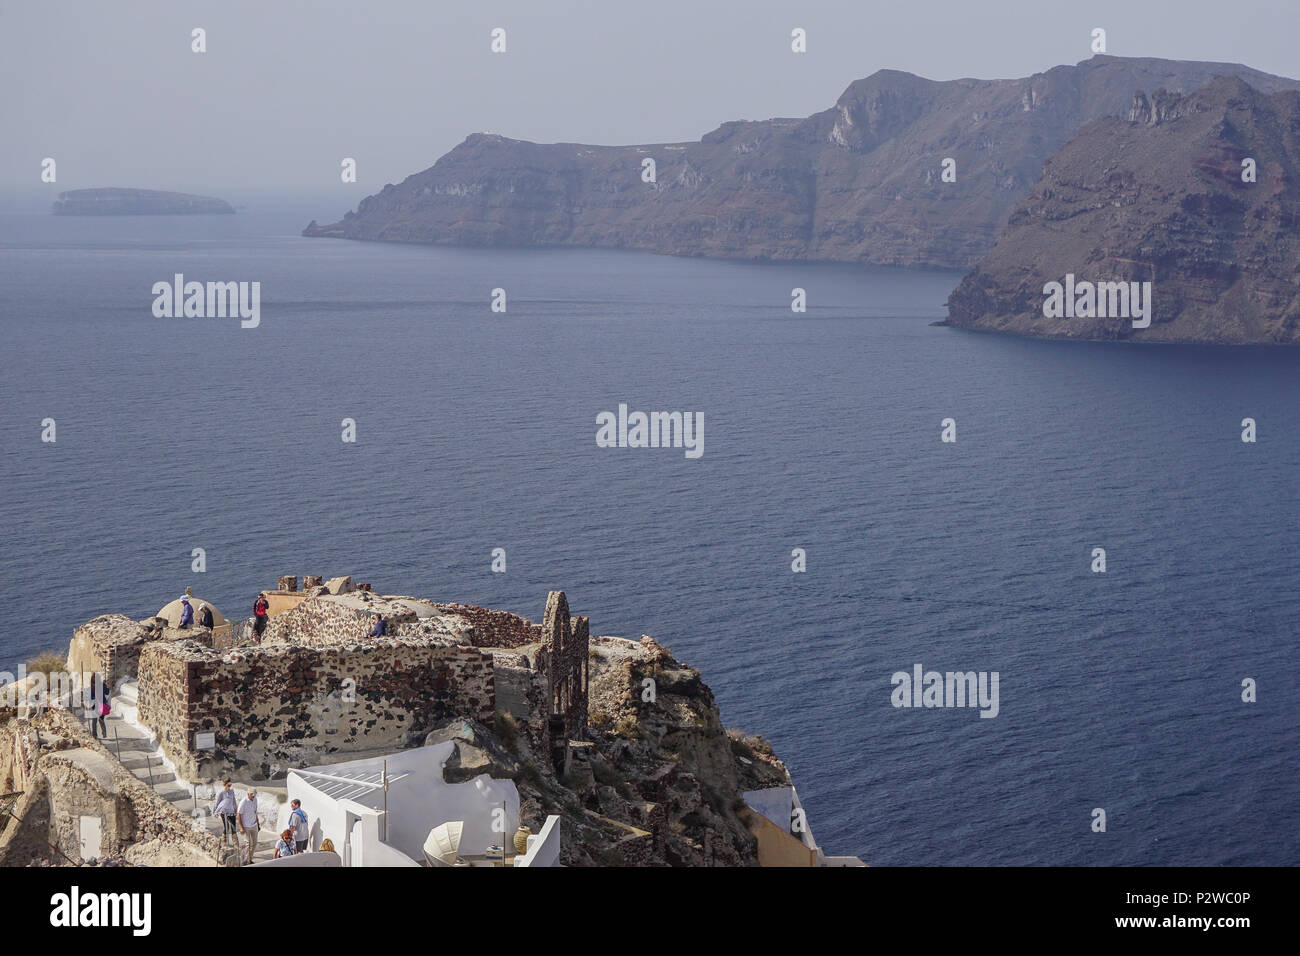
{"points": [[272, 708], [565, 661], [322, 622], [110, 645], [495, 628], [522, 693]]}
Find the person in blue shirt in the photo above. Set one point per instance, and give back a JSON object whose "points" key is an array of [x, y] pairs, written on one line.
{"points": [[187, 613], [298, 824], [380, 628]]}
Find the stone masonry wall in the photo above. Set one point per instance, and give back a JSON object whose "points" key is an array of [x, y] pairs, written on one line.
{"points": [[110, 645], [495, 628], [323, 623], [565, 660], [275, 707]]}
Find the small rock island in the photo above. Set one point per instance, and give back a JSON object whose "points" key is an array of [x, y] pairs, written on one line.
{"points": [[115, 201]]}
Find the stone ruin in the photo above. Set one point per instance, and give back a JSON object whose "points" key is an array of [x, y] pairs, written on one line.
{"points": [[61, 777], [318, 688]]}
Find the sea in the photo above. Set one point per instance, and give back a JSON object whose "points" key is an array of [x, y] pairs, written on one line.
{"points": [[1163, 691]]}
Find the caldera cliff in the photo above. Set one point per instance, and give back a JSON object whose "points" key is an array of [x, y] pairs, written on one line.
{"points": [[1197, 194], [858, 182]]}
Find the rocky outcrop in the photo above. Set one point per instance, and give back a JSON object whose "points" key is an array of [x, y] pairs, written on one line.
{"points": [[1163, 196], [115, 201], [617, 737], [859, 182], [659, 782]]}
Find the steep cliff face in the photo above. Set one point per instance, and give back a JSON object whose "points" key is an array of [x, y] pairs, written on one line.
{"points": [[661, 779], [859, 182], [1161, 197]]}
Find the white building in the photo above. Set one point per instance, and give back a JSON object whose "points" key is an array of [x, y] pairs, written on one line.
{"points": [[379, 811], [778, 820]]}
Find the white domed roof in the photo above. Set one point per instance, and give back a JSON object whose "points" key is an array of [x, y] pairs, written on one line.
{"points": [[172, 612]]}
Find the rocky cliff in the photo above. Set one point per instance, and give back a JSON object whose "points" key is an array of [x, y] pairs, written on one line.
{"points": [[859, 182], [659, 783], [1197, 194], [114, 201]]}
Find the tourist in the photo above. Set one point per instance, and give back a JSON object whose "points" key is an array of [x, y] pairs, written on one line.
{"points": [[99, 706], [285, 846], [298, 823], [226, 808], [327, 846], [187, 613], [248, 822], [259, 617], [380, 628], [205, 616]]}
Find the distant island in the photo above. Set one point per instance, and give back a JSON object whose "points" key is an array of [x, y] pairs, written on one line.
{"points": [[115, 201], [861, 182]]}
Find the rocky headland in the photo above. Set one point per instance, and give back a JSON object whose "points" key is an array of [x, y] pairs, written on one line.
{"points": [[116, 201], [858, 182], [1198, 194], [613, 742]]}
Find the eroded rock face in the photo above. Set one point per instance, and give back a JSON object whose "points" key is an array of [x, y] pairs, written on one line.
{"points": [[659, 783], [1160, 197], [477, 752], [859, 182]]}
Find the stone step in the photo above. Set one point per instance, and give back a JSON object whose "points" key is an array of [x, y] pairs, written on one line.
{"points": [[134, 745], [263, 854], [265, 849], [142, 759], [175, 795]]}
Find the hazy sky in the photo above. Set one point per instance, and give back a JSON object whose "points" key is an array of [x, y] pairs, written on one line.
{"points": [[113, 92]]}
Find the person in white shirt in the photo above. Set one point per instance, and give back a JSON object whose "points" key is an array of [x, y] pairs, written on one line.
{"points": [[248, 821]]}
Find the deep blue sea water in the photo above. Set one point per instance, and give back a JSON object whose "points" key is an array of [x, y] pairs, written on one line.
{"points": [[477, 430]]}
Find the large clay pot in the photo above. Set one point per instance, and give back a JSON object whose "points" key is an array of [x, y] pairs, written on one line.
{"points": [[521, 840]]}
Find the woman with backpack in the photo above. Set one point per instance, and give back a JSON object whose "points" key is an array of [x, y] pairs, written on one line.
{"points": [[259, 617], [99, 707], [285, 846]]}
